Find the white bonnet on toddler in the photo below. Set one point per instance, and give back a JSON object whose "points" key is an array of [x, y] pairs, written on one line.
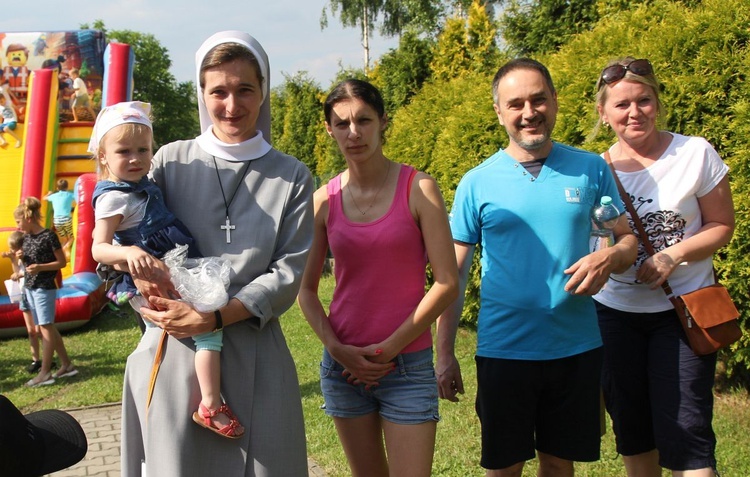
{"points": [[121, 113]]}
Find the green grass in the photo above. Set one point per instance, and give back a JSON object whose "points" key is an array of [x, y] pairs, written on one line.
{"points": [[100, 349], [458, 436]]}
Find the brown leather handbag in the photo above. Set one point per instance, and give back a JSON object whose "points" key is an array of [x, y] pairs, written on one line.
{"points": [[708, 315], [709, 318]]}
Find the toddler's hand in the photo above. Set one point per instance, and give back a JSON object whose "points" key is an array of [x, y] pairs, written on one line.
{"points": [[140, 263]]}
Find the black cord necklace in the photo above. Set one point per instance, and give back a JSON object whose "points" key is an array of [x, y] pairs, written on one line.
{"points": [[228, 224]]}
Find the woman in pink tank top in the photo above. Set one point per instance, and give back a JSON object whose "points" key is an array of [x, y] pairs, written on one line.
{"points": [[384, 222]]}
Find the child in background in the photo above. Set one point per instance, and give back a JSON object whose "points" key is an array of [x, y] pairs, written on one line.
{"points": [[63, 203], [10, 121], [42, 258], [80, 96], [15, 254], [129, 208]]}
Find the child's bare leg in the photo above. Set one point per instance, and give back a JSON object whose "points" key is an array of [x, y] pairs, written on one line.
{"points": [[33, 333], [208, 371], [66, 246], [49, 333], [12, 134], [59, 345]]}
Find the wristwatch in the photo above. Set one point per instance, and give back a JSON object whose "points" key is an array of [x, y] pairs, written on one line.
{"points": [[219, 321]]}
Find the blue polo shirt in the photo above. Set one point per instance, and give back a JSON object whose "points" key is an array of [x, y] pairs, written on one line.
{"points": [[530, 230]]}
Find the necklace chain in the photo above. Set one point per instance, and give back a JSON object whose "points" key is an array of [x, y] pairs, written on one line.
{"points": [[227, 224], [351, 194]]}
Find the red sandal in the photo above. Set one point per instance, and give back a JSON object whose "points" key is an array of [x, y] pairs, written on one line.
{"points": [[233, 430]]}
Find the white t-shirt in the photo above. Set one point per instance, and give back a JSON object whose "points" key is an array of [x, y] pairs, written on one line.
{"points": [[130, 205], [665, 195], [80, 87]]}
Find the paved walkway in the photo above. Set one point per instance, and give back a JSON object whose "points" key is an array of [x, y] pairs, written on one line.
{"points": [[102, 427]]}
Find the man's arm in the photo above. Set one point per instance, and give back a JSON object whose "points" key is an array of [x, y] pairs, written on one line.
{"points": [[591, 272], [450, 382]]}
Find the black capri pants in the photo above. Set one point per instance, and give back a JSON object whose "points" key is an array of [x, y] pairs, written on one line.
{"points": [[657, 391]]}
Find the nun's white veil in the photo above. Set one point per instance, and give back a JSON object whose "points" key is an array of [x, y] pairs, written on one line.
{"points": [[242, 38]]}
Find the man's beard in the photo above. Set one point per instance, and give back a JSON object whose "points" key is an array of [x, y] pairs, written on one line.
{"points": [[534, 144]]}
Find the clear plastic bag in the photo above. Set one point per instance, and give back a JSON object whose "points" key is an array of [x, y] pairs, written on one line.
{"points": [[202, 282]]}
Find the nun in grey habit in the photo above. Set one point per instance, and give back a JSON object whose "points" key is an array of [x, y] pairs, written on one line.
{"points": [[247, 202]]}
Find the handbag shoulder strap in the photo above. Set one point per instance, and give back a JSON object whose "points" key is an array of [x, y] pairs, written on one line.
{"points": [[642, 235]]}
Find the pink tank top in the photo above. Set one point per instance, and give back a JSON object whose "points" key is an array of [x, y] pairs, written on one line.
{"points": [[379, 268]]}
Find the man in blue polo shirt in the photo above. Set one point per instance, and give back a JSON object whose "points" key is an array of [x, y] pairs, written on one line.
{"points": [[538, 344]]}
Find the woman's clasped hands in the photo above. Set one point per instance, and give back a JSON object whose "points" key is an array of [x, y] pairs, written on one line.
{"points": [[363, 365]]}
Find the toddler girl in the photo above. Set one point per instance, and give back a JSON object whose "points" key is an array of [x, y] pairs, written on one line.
{"points": [[131, 209]]}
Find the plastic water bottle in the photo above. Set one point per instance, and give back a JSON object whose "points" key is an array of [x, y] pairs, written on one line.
{"points": [[605, 217]]}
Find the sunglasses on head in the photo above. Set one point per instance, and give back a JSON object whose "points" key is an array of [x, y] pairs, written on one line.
{"points": [[613, 73]]}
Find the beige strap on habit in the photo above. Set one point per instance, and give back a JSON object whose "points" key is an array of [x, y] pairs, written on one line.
{"points": [[158, 357]]}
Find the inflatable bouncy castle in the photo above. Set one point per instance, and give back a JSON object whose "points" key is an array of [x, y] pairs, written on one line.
{"points": [[35, 84]]}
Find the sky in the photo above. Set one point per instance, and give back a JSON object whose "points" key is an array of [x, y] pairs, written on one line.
{"points": [[289, 30]]}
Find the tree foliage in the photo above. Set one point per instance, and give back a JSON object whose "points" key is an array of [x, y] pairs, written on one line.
{"points": [[481, 34], [451, 59], [329, 160], [540, 26], [466, 44], [425, 18], [400, 73], [297, 117], [422, 16], [392, 17]]}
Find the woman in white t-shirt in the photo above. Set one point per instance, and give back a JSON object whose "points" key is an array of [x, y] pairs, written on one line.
{"points": [[658, 392]]}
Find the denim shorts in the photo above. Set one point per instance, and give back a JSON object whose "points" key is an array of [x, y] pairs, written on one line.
{"points": [[407, 395], [23, 305], [42, 304]]}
